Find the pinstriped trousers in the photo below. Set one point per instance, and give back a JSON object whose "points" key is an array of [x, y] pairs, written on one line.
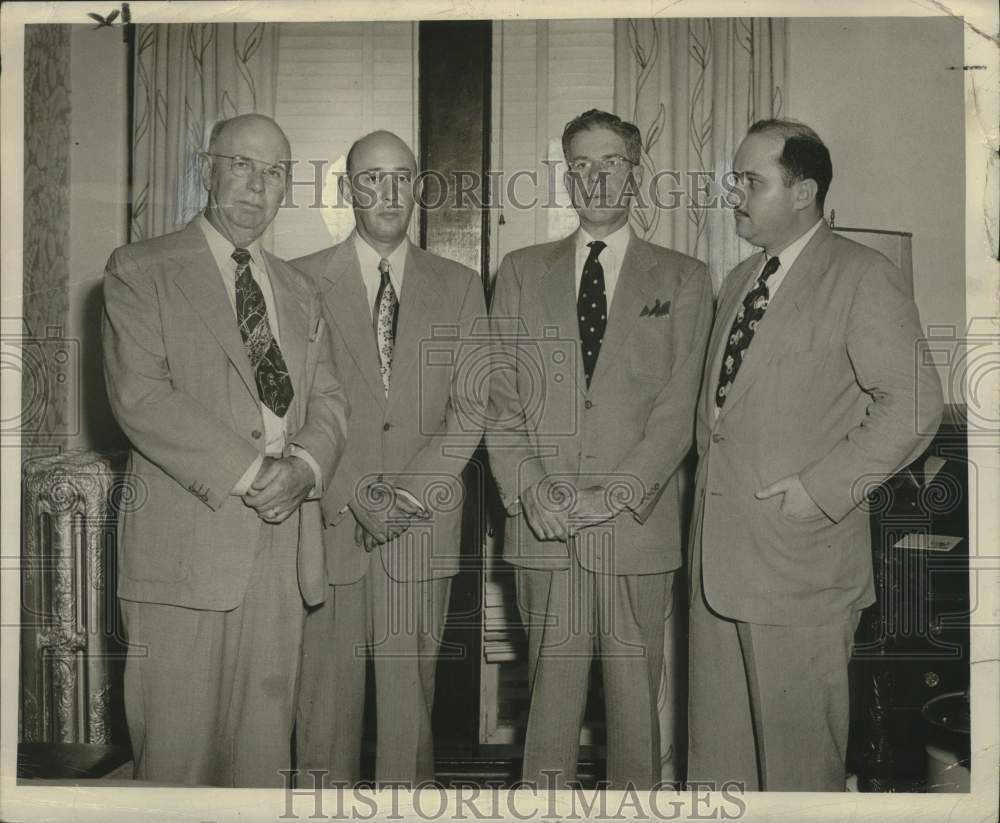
{"points": [[570, 615]]}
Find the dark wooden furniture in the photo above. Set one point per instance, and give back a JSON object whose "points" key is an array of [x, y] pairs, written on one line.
{"points": [[913, 643]]}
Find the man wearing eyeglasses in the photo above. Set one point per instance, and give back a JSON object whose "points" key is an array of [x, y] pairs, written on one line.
{"points": [[614, 329], [219, 370], [404, 322]]}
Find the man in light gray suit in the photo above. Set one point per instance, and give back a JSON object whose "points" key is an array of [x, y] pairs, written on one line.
{"points": [[404, 323], [815, 390], [220, 373], [599, 340]]}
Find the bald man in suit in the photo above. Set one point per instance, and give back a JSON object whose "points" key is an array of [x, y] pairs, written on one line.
{"points": [[815, 389], [405, 326], [219, 371]]}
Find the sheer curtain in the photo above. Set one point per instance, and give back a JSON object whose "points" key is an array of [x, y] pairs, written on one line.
{"points": [[693, 86], [187, 76]]}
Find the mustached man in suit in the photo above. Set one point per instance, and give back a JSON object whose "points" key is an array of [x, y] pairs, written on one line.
{"points": [[220, 372], [404, 323], [815, 389], [599, 340]]}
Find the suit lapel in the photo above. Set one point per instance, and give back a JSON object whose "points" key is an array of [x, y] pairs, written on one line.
{"points": [[772, 333], [634, 288], [558, 293], [419, 297], [347, 302], [198, 277], [292, 331]]}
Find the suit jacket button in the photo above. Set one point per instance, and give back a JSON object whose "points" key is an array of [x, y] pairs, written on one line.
{"points": [[386, 426], [255, 434], [588, 405], [717, 438]]}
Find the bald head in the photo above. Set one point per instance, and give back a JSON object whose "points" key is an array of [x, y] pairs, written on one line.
{"points": [[227, 132], [381, 183], [380, 149]]}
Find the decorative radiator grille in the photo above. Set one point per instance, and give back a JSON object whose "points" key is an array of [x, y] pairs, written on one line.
{"points": [[70, 658]]}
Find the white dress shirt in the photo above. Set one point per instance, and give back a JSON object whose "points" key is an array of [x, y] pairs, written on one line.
{"points": [[610, 258], [787, 258], [369, 259], [275, 433]]}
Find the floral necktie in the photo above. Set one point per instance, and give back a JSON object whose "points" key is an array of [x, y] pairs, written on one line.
{"points": [[274, 386], [743, 329], [386, 312]]}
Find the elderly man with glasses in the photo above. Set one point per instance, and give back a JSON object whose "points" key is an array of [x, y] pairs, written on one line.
{"points": [[220, 372]]}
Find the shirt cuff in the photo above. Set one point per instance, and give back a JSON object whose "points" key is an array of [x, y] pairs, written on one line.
{"points": [[409, 497], [294, 450], [243, 484]]}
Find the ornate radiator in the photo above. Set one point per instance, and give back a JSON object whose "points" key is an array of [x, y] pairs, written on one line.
{"points": [[70, 647]]}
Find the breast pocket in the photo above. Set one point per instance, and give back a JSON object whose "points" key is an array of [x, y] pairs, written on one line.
{"points": [[651, 355]]}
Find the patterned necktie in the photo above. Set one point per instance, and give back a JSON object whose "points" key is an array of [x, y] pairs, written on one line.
{"points": [[743, 329], [385, 316], [592, 309], [274, 386]]}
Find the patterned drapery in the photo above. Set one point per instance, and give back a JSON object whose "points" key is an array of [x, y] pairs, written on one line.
{"points": [[693, 86], [188, 76], [47, 412]]}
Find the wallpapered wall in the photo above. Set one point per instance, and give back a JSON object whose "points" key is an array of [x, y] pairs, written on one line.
{"points": [[47, 413]]}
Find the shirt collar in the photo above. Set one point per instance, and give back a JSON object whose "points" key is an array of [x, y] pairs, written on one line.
{"points": [[617, 241], [791, 252], [369, 258], [222, 248]]}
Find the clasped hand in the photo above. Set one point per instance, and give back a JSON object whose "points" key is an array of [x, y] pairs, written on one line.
{"points": [[375, 527], [557, 510], [279, 488]]}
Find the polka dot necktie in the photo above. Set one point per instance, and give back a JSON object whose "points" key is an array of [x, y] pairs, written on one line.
{"points": [[386, 313], [743, 329], [592, 308], [274, 386]]}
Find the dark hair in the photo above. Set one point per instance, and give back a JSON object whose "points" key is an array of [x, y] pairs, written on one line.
{"points": [[804, 155], [597, 119]]}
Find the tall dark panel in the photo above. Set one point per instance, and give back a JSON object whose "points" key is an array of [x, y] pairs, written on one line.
{"points": [[455, 66]]}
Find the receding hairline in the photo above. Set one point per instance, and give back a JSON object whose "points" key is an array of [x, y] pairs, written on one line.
{"points": [[221, 126], [375, 135]]}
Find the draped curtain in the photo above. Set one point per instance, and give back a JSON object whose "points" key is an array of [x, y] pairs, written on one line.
{"points": [[188, 76], [693, 86]]}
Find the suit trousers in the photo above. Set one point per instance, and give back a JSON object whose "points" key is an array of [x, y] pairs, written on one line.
{"points": [[568, 614], [768, 706], [399, 625], [209, 695]]}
